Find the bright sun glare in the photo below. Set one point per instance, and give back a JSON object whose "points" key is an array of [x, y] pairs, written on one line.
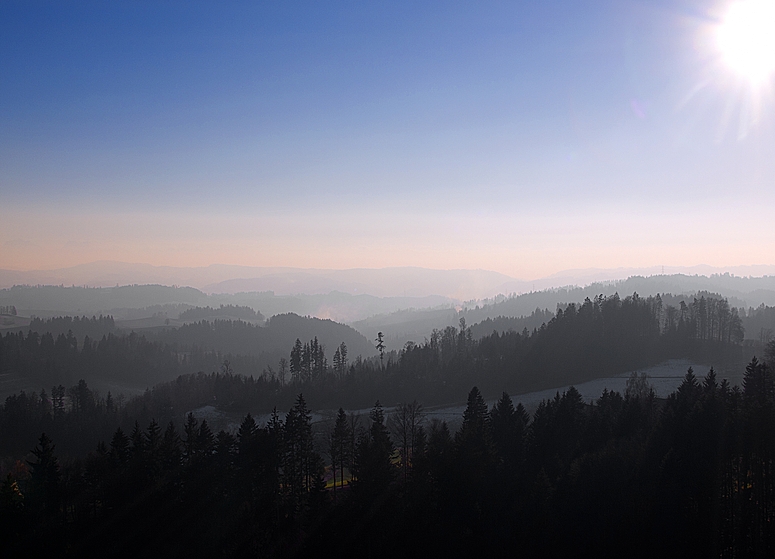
{"points": [[746, 39]]}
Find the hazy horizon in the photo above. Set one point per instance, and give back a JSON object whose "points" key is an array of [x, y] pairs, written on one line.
{"points": [[409, 286]]}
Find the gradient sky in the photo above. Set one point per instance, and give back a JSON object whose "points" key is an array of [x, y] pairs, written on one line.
{"points": [[522, 137]]}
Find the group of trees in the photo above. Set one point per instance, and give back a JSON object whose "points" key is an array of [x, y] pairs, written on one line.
{"points": [[196, 346], [187, 492], [607, 335], [77, 416], [8, 309], [531, 321], [627, 475], [78, 327], [230, 311], [604, 336], [706, 318], [130, 360], [61, 359], [340, 361], [308, 363], [241, 493], [760, 322], [279, 333]]}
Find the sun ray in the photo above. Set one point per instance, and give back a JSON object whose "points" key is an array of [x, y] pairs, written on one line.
{"points": [[738, 50], [693, 92]]}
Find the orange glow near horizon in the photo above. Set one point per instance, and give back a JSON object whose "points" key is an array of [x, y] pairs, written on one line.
{"points": [[524, 247]]}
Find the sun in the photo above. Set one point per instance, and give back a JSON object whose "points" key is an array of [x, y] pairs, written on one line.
{"points": [[746, 39]]}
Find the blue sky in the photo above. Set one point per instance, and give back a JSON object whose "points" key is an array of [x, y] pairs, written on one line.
{"points": [[523, 137]]}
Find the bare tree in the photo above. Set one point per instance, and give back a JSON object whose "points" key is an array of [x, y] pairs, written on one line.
{"points": [[404, 424], [339, 446], [354, 432], [638, 386], [282, 370]]}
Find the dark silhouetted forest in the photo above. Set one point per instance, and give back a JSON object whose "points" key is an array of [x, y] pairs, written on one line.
{"points": [[628, 476]]}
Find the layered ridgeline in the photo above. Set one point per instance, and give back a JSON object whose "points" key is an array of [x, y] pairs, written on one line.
{"points": [[598, 338], [135, 302], [530, 310], [63, 350], [363, 309]]}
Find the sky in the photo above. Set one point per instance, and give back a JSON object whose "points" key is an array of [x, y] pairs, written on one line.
{"points": [[520, 137]]}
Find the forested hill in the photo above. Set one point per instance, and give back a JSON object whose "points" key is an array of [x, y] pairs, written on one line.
{"points": [[756, 324], [57, 299], [598, 338], [524, 305], [501, 324], [519, 310], [278, 336], [63, 350], [531, 310]]}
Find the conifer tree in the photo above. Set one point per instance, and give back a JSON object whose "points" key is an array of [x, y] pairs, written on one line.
{"points": [[190, 431], [300, 463], [119, 448], [340, 445], [474, 434], [246, 437], [381, 348], [343, 355], [45, 478], [170, 452], [296, 362], [373, 465], [506, 431]]}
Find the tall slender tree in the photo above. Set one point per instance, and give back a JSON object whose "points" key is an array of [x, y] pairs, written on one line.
{"points": [[45, 478], [373, 464], [381, 348]]}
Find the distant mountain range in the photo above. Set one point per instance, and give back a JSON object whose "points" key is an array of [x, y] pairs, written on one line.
{"points": [[399, 318], [215, 279], [460, 285], [135, 302]]}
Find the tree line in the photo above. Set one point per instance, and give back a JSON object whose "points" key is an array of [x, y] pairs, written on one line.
{"points": [[78, 327], [232, 311], [626, 475], [600, 337]]}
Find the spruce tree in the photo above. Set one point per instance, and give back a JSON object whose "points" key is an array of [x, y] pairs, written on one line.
{"points": [[45, 479], [373, 465]]}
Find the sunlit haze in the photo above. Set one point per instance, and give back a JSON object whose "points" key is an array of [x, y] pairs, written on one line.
{"points": [[523, 138]]}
